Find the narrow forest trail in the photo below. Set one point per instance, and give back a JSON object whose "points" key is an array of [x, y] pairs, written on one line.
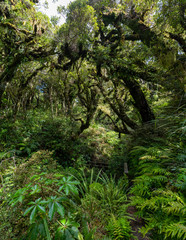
{"points": [[136, 224]]}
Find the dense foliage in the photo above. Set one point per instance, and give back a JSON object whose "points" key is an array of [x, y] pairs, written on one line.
{"points": [[92, 125]]}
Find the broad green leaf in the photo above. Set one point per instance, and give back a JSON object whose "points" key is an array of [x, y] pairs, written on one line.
{"points": [[47, 230], [60, 188], [43, 202], [75, 230], [33, 214], [74, 190], [63, 221], [28, 210], [60, 209], [13, 202], [51, 211], [67, 190], [41, 209], [31, 203], [58, 175], [38, 200], [75, 225], [35, 189], [68, 235]]}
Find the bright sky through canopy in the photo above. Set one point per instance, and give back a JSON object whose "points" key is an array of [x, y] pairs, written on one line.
{"points": [[52, 7]]}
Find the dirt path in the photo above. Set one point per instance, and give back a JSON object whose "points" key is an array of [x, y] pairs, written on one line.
{"points": [[136, 224]]}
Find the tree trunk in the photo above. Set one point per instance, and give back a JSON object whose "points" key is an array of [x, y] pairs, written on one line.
{"points": [[2, 89], [140, 101]]}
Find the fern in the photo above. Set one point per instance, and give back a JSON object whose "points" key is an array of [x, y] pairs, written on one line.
{"points": [[119, 229], [170, 204], [181, 181], [144, 184], [175, 204], [159, 177], [163, 210], [175, 231], [141, 189], [154, 203], [146, 229], [175, 208], [160, 171], [138, 151], [147, 158], [168, 193]]}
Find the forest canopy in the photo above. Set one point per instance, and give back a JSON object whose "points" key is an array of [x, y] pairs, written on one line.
{"points": [[110, 57]]}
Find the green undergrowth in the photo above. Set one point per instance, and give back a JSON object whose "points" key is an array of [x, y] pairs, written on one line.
{"points": [[22, 137], [42, 200], [158, 186], [47, 190]]}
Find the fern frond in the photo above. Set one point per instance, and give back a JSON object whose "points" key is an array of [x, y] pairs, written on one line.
{"points": [[147, 158], [175, 231], [154, 169], [175, 208], [159, 170], [136, 201], [144, 230], [169, 193], [141, 189], [119, 229], [146, 180], [138, 150], [159, 179], [155, 203]]}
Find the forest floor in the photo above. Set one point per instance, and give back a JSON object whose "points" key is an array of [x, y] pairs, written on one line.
{"points": [[136, 224]]}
